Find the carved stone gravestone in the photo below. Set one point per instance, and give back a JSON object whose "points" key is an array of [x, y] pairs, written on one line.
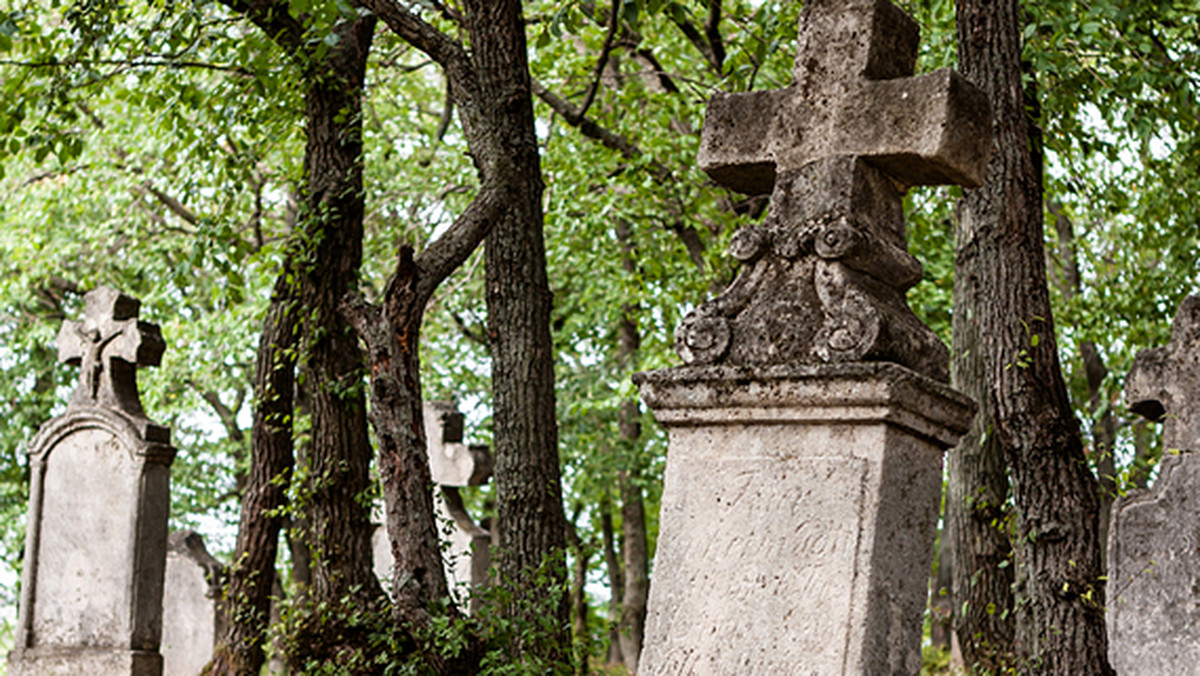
{"points": [[452, 465], [192, 617], [95, 544], [1154, 541], [807, 430]]}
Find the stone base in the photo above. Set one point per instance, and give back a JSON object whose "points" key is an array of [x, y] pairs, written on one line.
{"points": [[798, 517], [79, 661]]}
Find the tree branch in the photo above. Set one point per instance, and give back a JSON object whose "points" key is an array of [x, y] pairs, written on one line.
{"points": [[614, 19], [712, 31], [442, 256], [273, 18], [589, 128], [698, 40], [446, 51], [171, 203]]}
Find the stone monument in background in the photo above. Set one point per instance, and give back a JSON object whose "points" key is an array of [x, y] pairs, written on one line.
{"points": [[193, 620], [1154, 541], [95, 543], [806, 432]]}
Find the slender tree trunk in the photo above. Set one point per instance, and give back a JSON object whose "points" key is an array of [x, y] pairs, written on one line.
{"points": [[1060, 620], [247, 602], [616, 581], [633, 515], [940, 600], [338, 526], [418, 577], [528, 479], [579, 605], [1104, 429]]}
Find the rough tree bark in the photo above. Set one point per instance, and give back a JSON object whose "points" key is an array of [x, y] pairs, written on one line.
{"points": [[328, 254], [977, 512], [337, 518], [490, 86], [252, 573], [528, 477], [1059, 610]]}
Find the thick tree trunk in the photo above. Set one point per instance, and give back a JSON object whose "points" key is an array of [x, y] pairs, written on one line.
{"points": [[528, 479], [1060, 617], [977, 513], [248, 596], [337, 517]]}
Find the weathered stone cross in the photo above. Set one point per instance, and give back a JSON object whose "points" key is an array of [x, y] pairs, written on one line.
{"points": [[826, 271], [1164, 382], [108, 346]]}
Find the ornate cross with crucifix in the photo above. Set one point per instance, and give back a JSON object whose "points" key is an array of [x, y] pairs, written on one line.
{"points": [[108, 346], [1164, 383], [825, 273]]}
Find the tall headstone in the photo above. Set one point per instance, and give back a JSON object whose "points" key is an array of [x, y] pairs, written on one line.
{"points": [[192, 617], [453, 465], [1154, 541], [95, 544], [807, 430]]}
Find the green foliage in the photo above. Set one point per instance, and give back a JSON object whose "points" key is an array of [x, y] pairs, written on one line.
{"points": [[113, 114]]}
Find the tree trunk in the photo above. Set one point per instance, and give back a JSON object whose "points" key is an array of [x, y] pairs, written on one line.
{"points": [[1104, 430], [1060, 618], [977, 513], [337, 517], [616, 582], [248, 595], [633, 515], [940, 600], [528, 479]]}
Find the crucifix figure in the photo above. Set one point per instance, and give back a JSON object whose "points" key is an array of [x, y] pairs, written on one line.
{"points": [[108, 346], [825, 273]]}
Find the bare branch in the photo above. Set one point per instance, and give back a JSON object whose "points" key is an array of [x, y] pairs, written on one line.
{"points": [[171, 203], [442, 256], [414, 30], [698, 40], [712, 31], [589, 128], [614, 19]]}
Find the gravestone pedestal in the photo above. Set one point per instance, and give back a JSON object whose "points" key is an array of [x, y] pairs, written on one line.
{"points": [[806, 436], [798, 517], [95, 546]]}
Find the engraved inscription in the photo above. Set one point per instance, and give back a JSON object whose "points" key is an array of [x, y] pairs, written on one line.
{"points": [[764, 538]]}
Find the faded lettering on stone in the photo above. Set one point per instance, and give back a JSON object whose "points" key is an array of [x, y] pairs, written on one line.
{"points": [[786, 532]]}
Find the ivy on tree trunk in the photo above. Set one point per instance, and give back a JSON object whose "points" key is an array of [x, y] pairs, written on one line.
{"points": [[1060, 601]]}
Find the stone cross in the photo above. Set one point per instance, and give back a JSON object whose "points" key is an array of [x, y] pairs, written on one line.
{"points": [[108, 346], [99, 495], [825, 273], [1153, 606]]}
